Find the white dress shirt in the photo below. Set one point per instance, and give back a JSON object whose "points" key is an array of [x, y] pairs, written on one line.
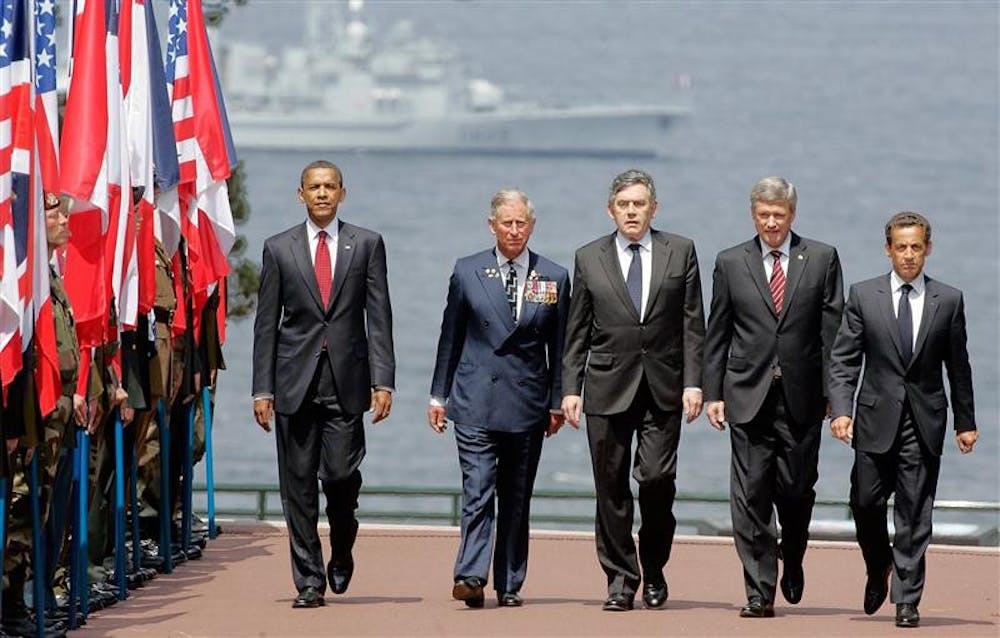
{"points": [[645, 257], [769, 258], [916, 300]]}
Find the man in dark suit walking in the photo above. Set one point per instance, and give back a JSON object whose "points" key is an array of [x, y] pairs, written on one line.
{"points": [[900, 328], [323, 355], [497, 377], [634, 351], [776, 306]]}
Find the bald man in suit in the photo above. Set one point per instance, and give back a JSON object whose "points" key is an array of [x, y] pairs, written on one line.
{"points": [[323, 355], [899, 330]]}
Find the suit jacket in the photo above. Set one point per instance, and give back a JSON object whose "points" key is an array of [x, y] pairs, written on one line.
{"points": [[666, 346], [868, 334], [746, 336], [495, 373], [292, 324]]}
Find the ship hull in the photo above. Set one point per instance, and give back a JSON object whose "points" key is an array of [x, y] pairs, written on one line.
{"points": [[621, 131]]}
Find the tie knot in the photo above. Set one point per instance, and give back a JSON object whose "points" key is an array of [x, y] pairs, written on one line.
{"points": [[776, 254], [906, 288], [635, 248], [510, 263], [322, 235]]}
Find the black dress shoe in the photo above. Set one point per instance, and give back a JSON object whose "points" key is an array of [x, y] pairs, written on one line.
{"points": [[339, 576], [907, 615], [654, 595], [757, 608], [792, 583], [509, 599], [469, 590], [308, 598], [876, 589], [618, 602]]}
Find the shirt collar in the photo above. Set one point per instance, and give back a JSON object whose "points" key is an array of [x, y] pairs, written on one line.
{"points": [[520, 261], [332, 229], [896, 282], [785, 247], [623, 243]]}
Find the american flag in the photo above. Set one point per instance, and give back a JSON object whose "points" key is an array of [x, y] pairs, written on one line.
{"points": [[46, 179], [204, 148], [11, 308]]}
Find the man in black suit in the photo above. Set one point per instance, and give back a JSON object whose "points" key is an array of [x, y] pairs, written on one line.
{"points": [[776, 305], [323, 355], [634, 349], [900, 328]]}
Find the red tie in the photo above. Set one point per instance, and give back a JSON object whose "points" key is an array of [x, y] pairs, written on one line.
{"points": [[324, 271], [777, 282]]}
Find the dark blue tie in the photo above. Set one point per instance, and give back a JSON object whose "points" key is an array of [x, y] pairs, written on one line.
{"points": [[510, 289], [904, 317], [634, 280]]}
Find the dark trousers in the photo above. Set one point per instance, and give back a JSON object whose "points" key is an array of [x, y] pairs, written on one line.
{"points": [[320, 442], [910, 471], [774, 467], [500, 464], [657, 434]]}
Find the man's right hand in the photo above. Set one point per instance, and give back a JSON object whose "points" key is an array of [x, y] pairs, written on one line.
{"points": [[437, 418], [263, 411], [571, 407], [843, 428], [716, 413]]}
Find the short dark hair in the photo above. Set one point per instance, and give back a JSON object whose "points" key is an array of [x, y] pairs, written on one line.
{"points": [[904, 220], [320, 164], [629, 178]]}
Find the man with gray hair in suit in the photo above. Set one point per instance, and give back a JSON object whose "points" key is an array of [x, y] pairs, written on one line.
{"points": [[497, 377]]}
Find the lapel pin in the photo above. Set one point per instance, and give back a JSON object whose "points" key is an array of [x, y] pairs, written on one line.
{"points": [[800, 257]]}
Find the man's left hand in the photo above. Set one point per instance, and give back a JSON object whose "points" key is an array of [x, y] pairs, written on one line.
{"points": [[691, 399], [967, 440], [381, 404], [556, 421]]}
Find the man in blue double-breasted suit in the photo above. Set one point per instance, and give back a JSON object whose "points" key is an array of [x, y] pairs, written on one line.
{"points": [[497, 378]]}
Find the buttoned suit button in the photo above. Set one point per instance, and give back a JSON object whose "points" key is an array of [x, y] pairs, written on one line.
{"points": [[486, 323], [493, 379]]}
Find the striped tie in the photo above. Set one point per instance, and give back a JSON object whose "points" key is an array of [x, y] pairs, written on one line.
{"points": [[510, 289], [777, 282]]}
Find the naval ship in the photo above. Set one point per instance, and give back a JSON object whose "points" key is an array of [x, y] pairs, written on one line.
{"points": [[340, 88]]}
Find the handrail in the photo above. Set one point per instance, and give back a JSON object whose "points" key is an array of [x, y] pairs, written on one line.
{"points": [[540, 514]]}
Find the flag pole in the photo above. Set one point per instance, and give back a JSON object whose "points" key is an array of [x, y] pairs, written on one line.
{"points": [[166, 502], [120, 576], [81, 467], [37, 552], [206, 408]]}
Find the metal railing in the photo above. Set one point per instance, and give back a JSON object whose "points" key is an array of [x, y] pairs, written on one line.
{"points": [[706, 514]]}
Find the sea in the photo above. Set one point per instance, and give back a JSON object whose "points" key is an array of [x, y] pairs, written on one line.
{"points": [[869, 108]]}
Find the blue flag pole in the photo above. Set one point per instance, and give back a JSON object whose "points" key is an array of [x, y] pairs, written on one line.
{"points": [[166, 502], [3, 522], [134, 508], [82, 578], [120, 576], [74, 558], [188, 482], [206, 408], [37, 552]]}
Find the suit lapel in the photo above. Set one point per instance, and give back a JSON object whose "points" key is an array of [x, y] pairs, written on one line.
{"points": [[528, 308], [927, 317], [658, 269], [346, 247], [755, 266], [613, 271], [888, 315], [797, 260], [303, 261], [489, 276]]}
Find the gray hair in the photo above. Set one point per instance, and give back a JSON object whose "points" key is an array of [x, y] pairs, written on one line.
{"points": [[774, 189], [508, 196], [628, 178], [904, 220]]}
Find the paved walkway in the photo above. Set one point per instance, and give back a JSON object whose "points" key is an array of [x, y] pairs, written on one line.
{"points": [[402, 587]]}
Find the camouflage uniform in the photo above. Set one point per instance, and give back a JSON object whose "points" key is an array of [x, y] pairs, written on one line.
{"points": [[57, 438]]}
